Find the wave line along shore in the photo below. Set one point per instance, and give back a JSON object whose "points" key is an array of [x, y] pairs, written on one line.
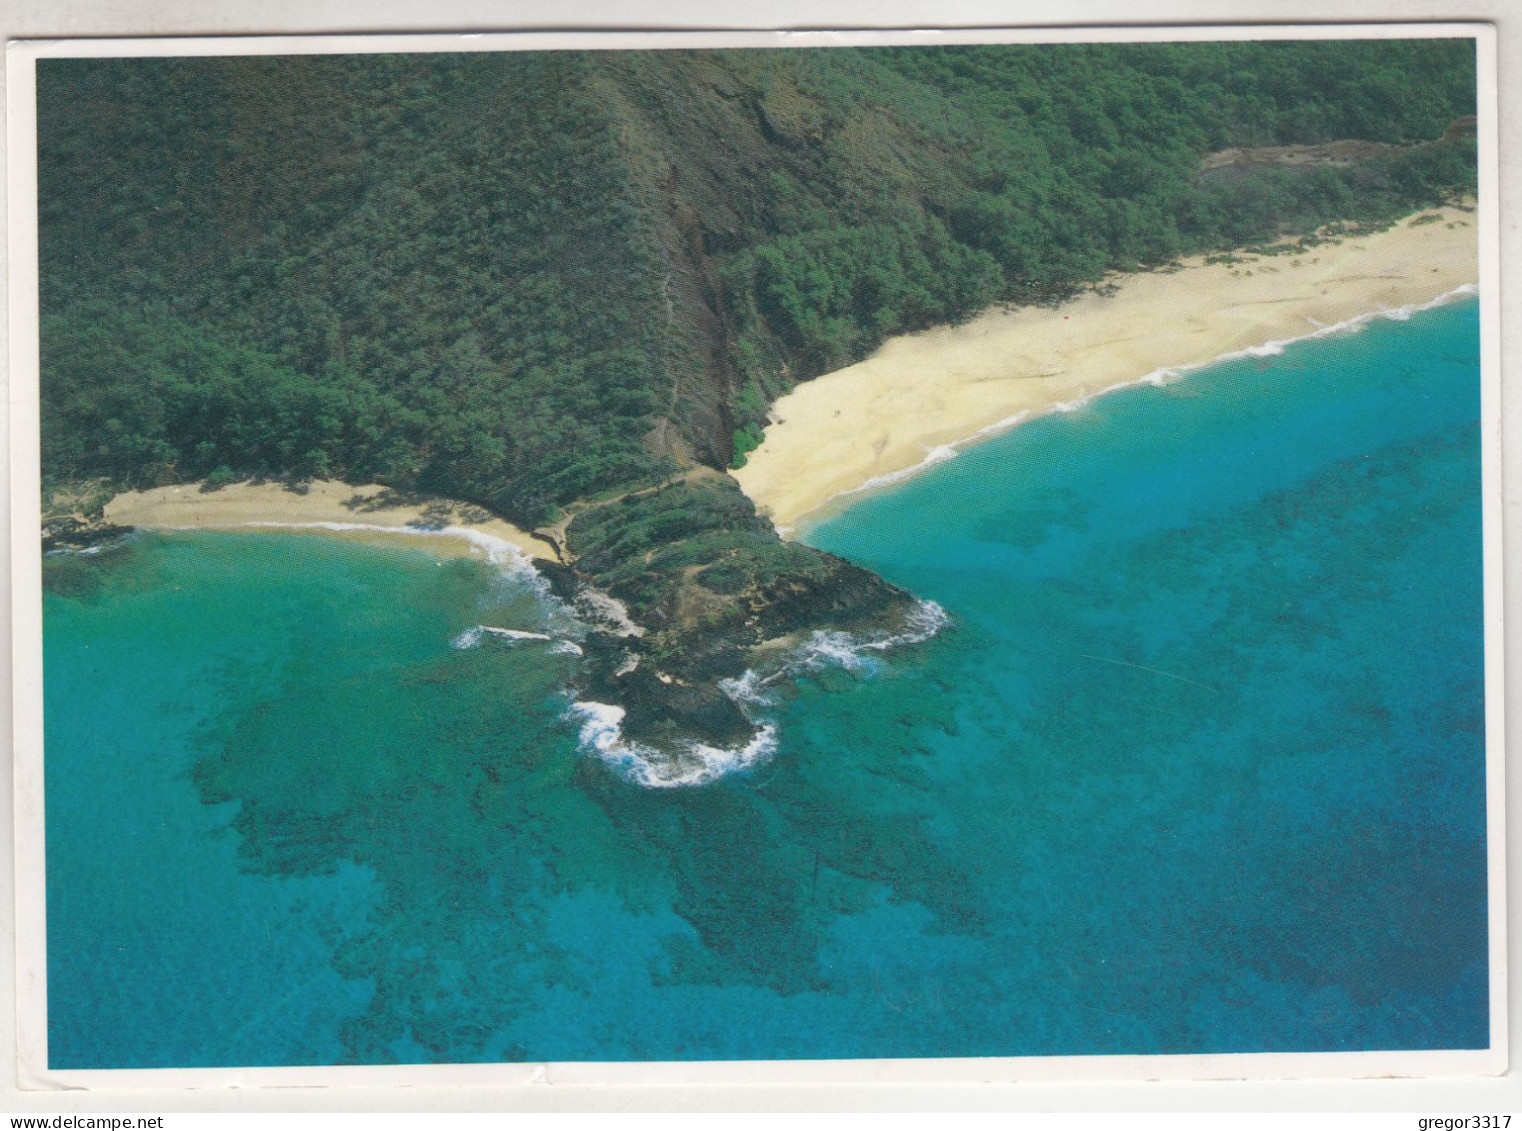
{"points": [[920, 395], [326, 506]]}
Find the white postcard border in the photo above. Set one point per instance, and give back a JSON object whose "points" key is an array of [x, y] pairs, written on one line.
{"points": [[22, 251]]}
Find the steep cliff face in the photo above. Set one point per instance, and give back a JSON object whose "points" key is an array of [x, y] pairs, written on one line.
{"points": [[728, 152]]}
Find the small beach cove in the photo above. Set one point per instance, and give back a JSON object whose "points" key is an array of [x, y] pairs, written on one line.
{"points": [[366, 513], [920, 396]]}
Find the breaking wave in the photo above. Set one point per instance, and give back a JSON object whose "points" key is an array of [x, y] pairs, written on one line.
{"points": [[832, 648], [693, 763], [826, 648], [1157, 378], [94, 548], [933, 456], [499, 552], [472, 636], [686, 764]]}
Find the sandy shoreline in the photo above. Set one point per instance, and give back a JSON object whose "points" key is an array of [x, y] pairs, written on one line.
{"points": [[919, 395], [373, 512]]}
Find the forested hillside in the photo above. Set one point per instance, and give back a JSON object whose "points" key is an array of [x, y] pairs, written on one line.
{"points": [[523, 278], [533, 280]]}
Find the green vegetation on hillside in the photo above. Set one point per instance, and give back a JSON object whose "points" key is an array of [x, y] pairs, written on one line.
{"points": [[535, 280], [425, 271], [523, 278]]}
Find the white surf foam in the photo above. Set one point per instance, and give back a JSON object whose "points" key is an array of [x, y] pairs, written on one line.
{"points": [[933, 456], [1002, 425], [714, 762], [91, 550], [831, 648], [749, 690], [688, 764], [472, 636], [80, 552], [1348, 326], [834, 648], [691, 763], [1158, 378], [515, 634], [511, 563], [467, 639], [606, 610], [499, 552]]}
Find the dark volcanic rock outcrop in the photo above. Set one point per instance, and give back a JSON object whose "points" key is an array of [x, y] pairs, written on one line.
{"points": [[709, 584], [79, 534]]}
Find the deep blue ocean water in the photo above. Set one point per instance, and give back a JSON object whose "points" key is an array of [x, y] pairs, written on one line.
{"points": [[1197, 766]]}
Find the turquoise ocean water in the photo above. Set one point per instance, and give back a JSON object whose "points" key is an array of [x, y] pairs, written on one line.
{"points": [[1196, 766]]}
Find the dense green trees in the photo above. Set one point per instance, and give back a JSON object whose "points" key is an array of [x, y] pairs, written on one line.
{"points": [[526, 279], [832, 294], [422, 273]]}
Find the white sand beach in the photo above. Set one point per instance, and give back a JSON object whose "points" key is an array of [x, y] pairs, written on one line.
{"points": [[921, 394]]}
